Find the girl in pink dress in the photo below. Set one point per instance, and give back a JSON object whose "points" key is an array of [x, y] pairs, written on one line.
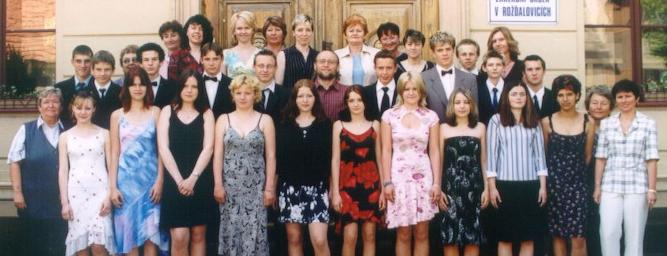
{"points": [[410, 165]]}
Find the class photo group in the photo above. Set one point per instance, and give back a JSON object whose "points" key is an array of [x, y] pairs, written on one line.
{"points": [[200, 150]]}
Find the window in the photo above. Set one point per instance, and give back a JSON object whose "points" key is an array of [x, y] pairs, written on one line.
{"points": [[627, 39], [28, 45]]}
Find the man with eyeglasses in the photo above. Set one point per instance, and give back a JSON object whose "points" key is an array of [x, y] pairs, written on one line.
{"points": [[81, 62], [274, 96], [330, 90], [128, 56]]}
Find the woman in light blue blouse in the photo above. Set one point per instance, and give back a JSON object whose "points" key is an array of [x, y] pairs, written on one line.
{"points": [[517, 170], [625, 172]]}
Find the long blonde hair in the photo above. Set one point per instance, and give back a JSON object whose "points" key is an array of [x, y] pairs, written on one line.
{"points": [[416, 80]]}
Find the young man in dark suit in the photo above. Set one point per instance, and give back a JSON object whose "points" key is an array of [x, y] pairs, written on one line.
{"points": [[381, 95], [81, 61], [274, 96], [105, 92], [543, 98], [151, 57], [444, 78], [217, 91], [489, 89]]}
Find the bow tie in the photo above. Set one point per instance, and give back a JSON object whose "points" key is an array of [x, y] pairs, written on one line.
{"points": [[154, 84], [444, 72], [214, 79]]}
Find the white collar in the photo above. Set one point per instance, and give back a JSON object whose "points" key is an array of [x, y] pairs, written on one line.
{"points": [[218, 76], [271, 86], [391, 85], [40, 122], [345, 51], [440, 69], [104, 86], [77, 81], [500, 85], [539, 93]]}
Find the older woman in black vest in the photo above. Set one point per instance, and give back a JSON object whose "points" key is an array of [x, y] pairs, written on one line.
{"points": [[33, 165]]}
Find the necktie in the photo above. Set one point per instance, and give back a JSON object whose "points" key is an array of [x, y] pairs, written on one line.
{"points": [[214, 79], [80, 86], [265, 97], [444, 72], [536, 104], [495, 99], [102, 91], [384, 105]]}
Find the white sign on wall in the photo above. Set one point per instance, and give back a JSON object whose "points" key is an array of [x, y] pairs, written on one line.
{"points": [[523, 11]]}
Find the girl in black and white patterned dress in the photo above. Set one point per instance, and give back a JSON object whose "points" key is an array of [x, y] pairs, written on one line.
{"points": [[304, 163]]}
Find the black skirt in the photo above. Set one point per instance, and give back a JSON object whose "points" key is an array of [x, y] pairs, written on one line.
{"points": [[519, 217]]}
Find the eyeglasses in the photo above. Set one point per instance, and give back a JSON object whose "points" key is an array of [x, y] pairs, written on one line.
{"points": [[330, 62]]}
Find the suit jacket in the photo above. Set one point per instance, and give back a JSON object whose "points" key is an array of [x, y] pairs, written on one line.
{"points": [[372, 101], [223, 98], [277, 101], [106, 105], [165, 93], [549, 104], [485, 107], [437, 98], [68, 89]]}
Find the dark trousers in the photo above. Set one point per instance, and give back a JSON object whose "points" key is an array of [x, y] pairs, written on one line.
{"points": [[43, 236]]}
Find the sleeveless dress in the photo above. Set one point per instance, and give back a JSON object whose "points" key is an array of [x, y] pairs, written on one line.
{"points": [[463, 183], [236, 66], [138, 219], [411, 171], [359, 178], [186, 142], [566, 185], [87, 189], [243, 217]]}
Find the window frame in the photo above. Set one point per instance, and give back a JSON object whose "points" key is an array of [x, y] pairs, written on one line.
{"points": [[3, 52], [636, 27]]}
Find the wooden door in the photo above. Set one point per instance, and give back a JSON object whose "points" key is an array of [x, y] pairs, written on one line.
{"points": [[328, 16]]}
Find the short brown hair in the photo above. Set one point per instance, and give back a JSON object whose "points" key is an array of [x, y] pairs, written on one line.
{"points": [[211, 47], [441, 37], [275, 21], [467, 41]]}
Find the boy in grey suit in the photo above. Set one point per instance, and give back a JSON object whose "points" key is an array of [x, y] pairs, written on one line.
{"points": [[444, 78]]}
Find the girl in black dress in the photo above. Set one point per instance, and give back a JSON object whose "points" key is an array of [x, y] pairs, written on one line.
{"points": [[355, 179], [185, 142], [568, 136], [304, 164], [463, 150]]}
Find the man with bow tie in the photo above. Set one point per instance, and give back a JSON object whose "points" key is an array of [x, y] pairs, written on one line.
{"points": [[151, 57], [444, 78], [81, 62], [216, 83]]}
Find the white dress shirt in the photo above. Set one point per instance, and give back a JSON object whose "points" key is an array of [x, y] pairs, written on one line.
{"points": [[447, 80], [102, 86], [539, 93], [380, 93], [499, 86], [272, 89], [212, 88]]}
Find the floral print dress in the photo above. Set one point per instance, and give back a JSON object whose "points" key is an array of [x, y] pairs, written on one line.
{"points": [[359, 177], [411, 171]]}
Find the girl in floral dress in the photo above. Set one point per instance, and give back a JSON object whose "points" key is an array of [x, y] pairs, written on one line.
{"points": [[354, 172], [411, 165]]}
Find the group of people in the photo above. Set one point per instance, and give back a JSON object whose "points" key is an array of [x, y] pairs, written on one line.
{"points": [[199, 140]]}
